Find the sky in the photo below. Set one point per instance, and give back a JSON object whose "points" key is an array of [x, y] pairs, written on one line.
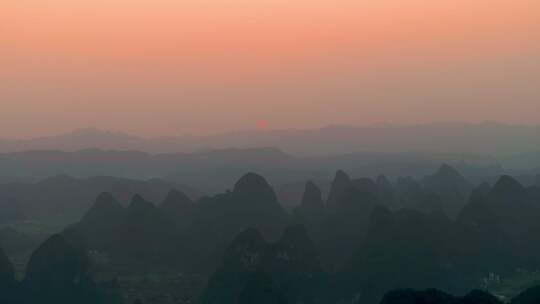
{"points": [[164, 67]]}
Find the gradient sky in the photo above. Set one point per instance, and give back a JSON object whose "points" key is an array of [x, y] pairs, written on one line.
{"points": [[164, 67]]}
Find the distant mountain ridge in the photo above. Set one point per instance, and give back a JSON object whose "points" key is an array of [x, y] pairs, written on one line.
{"points": [[482, 138], [226, 165]]}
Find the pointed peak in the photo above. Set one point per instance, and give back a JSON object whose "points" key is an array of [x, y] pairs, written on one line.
{"points": [[341, 182], [341, 176], [311, 187], [447, 170], [507, 185], [175, 193], [250, 182], [312, 194], [253, 190], [105, 207], [446, 167]]}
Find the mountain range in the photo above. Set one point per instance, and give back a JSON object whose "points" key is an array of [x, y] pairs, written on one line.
{"points": [[496, 139], [214, 170], [366, 237]]}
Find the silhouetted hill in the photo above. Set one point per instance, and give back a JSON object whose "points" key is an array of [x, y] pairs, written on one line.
{"points": [[509, 200], [349, 206], [147, 232], [179, 208], [99, 228], [240, 261], [253, 189], [217, 219], [356, 250], [312, 208], [180, 233], [529, 296], [433, 296], [57, 273], [340, 183], [294, 255], [397, 241], [141, 232], [517, 211], [177, 203], [252, 203], [105, 212], [55, 266], [287, 271], [67, 198], [451, 188], [412, 249], [484, 244], [351, 201]]}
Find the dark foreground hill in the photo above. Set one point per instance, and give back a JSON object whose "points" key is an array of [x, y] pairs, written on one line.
{"points": [[366, 238], [56, 273], [433, 296], [255, 271]]}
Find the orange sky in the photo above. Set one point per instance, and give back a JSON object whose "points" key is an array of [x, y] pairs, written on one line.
{"points": [[164, 67]]}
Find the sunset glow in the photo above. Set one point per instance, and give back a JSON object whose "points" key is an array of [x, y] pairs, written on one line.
{"points": [[160, 67]]}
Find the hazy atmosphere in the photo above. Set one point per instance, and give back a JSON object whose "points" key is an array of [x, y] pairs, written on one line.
{"points": [[269, 152], [154, 68]]}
